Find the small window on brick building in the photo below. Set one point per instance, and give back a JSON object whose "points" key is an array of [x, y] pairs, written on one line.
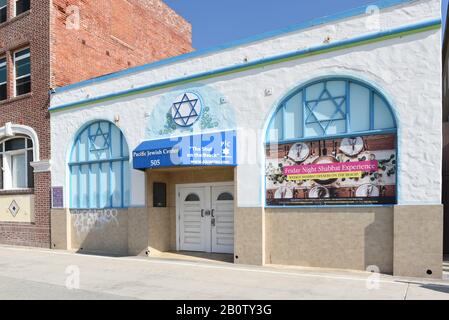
{"points": [[3, 79], [22, 64], [16, 156], [22, 6], [3, 10]]}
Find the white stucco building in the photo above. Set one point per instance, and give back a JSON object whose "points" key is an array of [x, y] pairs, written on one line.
{"points": [[318, 145]]}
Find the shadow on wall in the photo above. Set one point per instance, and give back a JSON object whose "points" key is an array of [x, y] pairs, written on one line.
{"points": [[103, 231], [445, 192], [379, 243]]}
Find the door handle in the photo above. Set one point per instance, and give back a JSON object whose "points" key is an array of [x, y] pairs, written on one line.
{"points": [[205, 213], [213, 213]]}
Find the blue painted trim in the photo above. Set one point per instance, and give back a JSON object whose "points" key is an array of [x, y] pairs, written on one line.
{"points": [[81, 163], [78, 186], [304, 111], [111, 194], [348, 105], [122, 173], [283, 135], [254, 64], [336, 136], [110, 137], [89, 186], [99, 184], [102, 208], [371, 110], [264, 36], [70, 187], [93, 201]]}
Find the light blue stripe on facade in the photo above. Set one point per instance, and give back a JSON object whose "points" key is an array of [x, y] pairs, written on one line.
{"points": [[235, 68]]}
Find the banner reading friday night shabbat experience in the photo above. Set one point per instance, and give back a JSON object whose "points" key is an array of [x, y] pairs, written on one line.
{"points": [[349, 171]]}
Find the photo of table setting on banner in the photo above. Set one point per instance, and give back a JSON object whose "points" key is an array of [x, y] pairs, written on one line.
{"points": [[348, 171]]}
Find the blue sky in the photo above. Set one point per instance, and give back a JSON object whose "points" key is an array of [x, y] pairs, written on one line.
{"points": [[220, 21]]}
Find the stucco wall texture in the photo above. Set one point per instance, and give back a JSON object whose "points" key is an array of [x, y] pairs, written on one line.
{"points": [[407, 70]]}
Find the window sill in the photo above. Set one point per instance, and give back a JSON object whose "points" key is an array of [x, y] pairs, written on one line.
{"points": [[17, 98], [15, 18], [16, 192]]}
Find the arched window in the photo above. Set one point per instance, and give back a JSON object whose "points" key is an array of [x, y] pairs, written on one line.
{"points": [[192, 198], [320, 128], [99, 168], [225, 196], [16, 156], [331, 107]]}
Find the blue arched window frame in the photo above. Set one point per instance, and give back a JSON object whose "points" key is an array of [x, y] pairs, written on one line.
{"points": [[373, 128], [99, 168], [304, 108]]}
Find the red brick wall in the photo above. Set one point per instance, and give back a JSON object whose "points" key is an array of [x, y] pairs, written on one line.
{"points": [[113, 35], [30, 29]]}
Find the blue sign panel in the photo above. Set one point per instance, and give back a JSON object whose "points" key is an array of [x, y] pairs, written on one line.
{"points": [[211, 149]]}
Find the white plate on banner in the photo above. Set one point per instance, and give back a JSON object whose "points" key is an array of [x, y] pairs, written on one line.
{"points": [[352, 146], [283, 193], [367, 191], [315, 193], [299, 152]]}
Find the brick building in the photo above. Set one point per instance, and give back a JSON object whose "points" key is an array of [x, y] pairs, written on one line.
{"points": [[50, 43]]}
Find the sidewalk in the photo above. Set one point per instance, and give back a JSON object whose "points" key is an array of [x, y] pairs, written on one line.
{"points": [[43, 274]]}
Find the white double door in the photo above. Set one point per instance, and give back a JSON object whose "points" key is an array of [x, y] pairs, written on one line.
{"points": [[206, 218]]}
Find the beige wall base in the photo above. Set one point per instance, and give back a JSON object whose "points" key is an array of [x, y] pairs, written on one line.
{"points": [[404, 240], [138, 236], [354, 238], [117, 232], [249, 245], [61, 229], [418, 241], [103, 231]]}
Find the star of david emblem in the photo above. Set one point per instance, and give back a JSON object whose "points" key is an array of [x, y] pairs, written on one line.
{"points": [[325, 110], [100, 140], [187, 110]]}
